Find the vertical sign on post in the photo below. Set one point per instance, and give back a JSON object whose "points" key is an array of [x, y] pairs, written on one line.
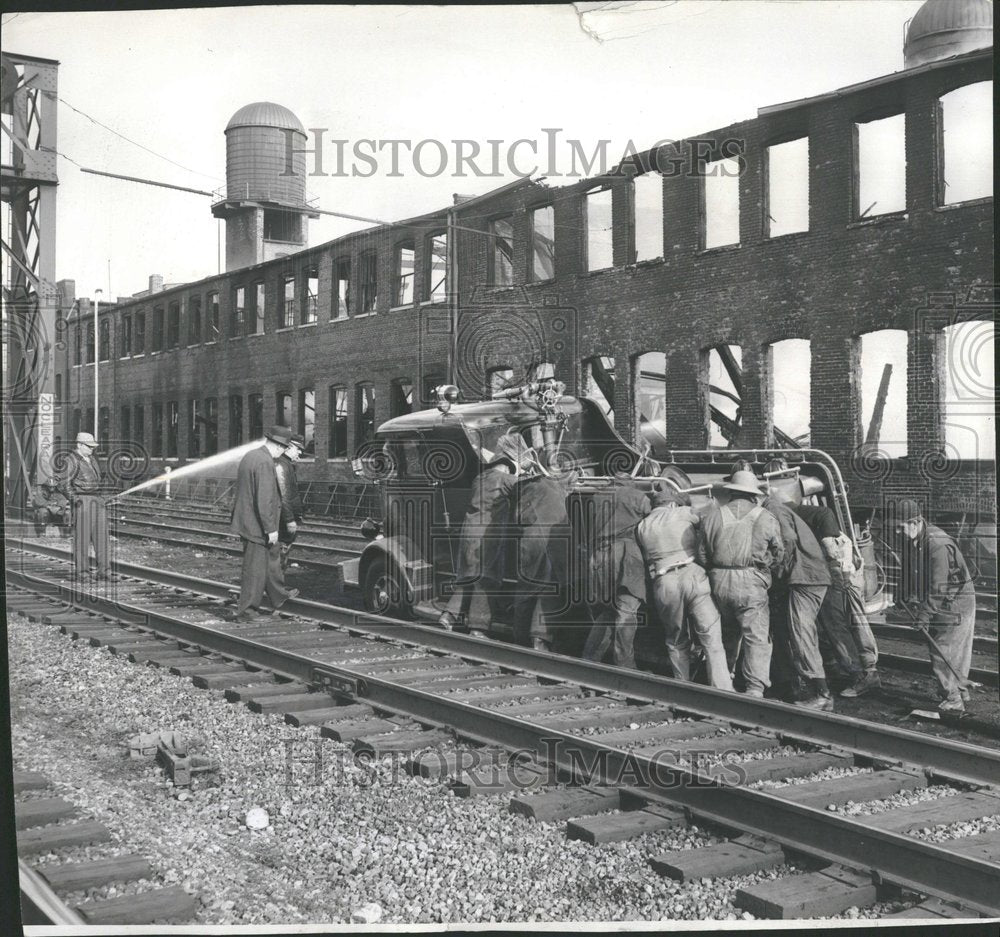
{"points": [[46, 411]]}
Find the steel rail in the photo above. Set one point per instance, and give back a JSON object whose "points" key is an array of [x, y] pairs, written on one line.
{"points": [[314, 525], [42, 898], [961, 761], [894, 857]]}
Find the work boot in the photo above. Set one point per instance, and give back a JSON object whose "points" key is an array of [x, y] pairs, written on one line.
{"points": [[754, 692], [477, 633], [540, 644], [953, 704], [866, 681], [447, 621], [820, 700]]}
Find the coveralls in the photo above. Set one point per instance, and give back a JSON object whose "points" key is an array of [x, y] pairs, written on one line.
{"points": [[740, 546], [81, 483], [842, 618], [807, 581], [669, 540], [936, 584], [617, 573]]}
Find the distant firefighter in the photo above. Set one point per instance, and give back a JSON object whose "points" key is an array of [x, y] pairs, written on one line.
{"points": [[49, 506], [256, 517], [82, 484]]}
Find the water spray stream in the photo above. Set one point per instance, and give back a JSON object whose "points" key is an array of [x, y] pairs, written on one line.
{"points": [[195, 468]]}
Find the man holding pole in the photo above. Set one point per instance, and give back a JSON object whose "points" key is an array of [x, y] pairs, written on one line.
{"points": [[81, 483]]}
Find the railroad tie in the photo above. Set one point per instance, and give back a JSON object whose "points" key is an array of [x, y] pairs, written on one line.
{"points": [[606, 716], [402, 742], [206, 665], [61, 835], [243, 694], [290, 702], [237, 677], [979, 846], [348, 730], [161, 905], [29, 813], [553, 806], [29, 781], [77, 876], [857, 788], [813, 894], [968, 806], [933, 908], [740, 856], [315, 717], [782, 767], [614, 827], [491, 779]]}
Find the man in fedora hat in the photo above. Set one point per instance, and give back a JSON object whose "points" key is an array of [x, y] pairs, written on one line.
{"points": [[256, 516], [669, 539], [617, 572], [936, 591], [292, 510], [740, 548], [82, 483], [481, 542]]}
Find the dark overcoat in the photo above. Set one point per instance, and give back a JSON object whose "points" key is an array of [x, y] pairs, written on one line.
{"points": [[257, 506]]}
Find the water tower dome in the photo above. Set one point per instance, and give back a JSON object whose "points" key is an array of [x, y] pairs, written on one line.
{"points": [[943, 28]]}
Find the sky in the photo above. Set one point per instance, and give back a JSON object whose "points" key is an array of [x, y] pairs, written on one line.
{"points": [[170, 80]]}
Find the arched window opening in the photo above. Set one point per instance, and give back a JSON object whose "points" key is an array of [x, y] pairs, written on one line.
{"points": [[882, 380], [650, 371], [723, 379], [969, 391], [790, 367], [599, 383], [966, 120]]}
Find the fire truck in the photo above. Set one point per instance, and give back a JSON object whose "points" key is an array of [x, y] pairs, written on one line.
{"points": [[426, 465]]}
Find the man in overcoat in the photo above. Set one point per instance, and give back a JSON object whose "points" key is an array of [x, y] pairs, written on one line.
{"points": [[82, 483]]}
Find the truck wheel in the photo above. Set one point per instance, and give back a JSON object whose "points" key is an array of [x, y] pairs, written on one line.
{"points": [[382, 591]]}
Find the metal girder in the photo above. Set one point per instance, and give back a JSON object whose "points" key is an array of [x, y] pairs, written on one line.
{"points": [[895, 857], [961, 761]]}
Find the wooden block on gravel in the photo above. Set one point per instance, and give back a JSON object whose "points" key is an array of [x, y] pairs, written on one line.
{"points": [[241, 694], [42, 811], [979, 846], [237, 677], [401, 742], [815, 894], [148, 907], [932, 908], [348, 731], [613, 828], [774, 769], [60, 835], [932, 812], [73, 876], [552, 806], [204, 666], [857, 788], [292, 702], [499, 779], [29, 781], [737, 857]]}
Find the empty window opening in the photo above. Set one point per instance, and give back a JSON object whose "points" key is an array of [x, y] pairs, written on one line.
{"points": [[288, 303], [405, 273], [126, 336], [173, 418], [105, 340], [789, 369], [401, 400], [364, 413], [90, 343], [235, 420], [212, 325], [651, 399], [599, 383], [882, 379], [337, 446], [342, 293], [723, 366], [255, 405], [881, 166], [307, 419], [256, 325], [194, 429], [210, 419], [436, 279], [647, 217], [139, 334], [501, 252], [369, 282], [966, 120], [174, 325], [283, 408], [159, 328], [104, 427], [90, 421], [125, 424], [787, 188], [78, 345], [194, 320], [969, 391], [238, 312], [721, 203], [139, 425], [158, 430], [543, 243], [280, 225], [499, 379], [597, 212], [310, 308]]}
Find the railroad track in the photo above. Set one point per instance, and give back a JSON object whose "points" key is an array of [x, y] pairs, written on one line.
{"points": [[688, 752], [48, 825]]}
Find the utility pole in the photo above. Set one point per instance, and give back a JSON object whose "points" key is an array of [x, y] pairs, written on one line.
{"points": [[97, 359]]}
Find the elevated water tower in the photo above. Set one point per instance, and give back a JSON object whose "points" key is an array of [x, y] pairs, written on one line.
{"points": [[943, 28], [264, 204]]}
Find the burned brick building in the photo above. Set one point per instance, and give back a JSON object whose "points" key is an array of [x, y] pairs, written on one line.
{"points": [[820, 274]]}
